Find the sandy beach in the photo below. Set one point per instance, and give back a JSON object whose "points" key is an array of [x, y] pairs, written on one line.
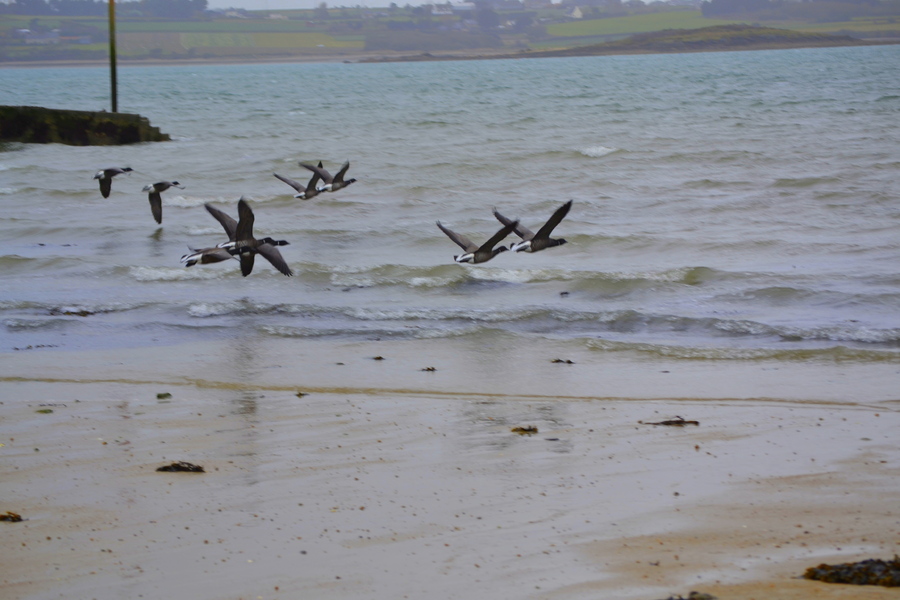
{"points": [[331, 473]]}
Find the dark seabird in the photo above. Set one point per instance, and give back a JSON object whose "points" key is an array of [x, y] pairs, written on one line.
{"points": [[332, 182], [105, 176], [248, 247], [155, 200], [533, 242], [305, 192], [476, 254], [216, 254]]}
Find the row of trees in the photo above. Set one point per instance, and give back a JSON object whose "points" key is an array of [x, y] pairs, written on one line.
{"points": [[164, 9]]}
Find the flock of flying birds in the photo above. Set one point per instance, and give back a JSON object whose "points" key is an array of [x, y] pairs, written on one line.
{"points": [[241, 244]]}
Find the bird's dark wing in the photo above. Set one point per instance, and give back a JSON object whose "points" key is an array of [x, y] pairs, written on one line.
{"points": [[555, 218], [156, 206], [461, 240], [498, 237], [247, 263], [105, 186], [521, 231], [311, 186], [342, 172], [271, 254], [245, 225], [318, 170], [227, 222], [294, 184]]}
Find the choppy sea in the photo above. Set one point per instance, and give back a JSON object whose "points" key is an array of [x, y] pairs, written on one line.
{"points": [[727, 206]]}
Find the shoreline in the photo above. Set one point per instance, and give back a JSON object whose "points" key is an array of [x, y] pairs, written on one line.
{"points": [[381, 57]]}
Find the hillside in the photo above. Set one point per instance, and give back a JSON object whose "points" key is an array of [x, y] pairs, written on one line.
{"points": [[408, 34], [719, 38], [710, 39]]}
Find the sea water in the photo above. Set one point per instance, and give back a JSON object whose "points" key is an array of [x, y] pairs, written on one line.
{"points": [[726, 206]]}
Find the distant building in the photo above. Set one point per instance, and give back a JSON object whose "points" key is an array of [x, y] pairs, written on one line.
{"points": [[41, 39]]}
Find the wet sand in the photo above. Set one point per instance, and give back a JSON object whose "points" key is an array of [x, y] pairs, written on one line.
{"points": [[387, 481]]}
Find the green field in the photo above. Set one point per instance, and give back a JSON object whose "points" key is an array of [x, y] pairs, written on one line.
{"points": [[618, 26], [217, 26], [691, 19], [856, 25], [265, 40]]}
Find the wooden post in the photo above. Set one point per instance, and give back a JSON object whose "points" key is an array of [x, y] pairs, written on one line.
{"points": [[112, 55]]}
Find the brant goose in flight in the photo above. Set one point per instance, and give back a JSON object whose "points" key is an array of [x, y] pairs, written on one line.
{"points": [[304, 192], [105, 176], [332, 182], [248, 247], [479, 254], [155, 201], [533, 242], [215, 254]]}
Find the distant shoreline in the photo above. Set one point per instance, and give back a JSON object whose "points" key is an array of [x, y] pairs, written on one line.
{"points": [[380, 57], [574, 52]]}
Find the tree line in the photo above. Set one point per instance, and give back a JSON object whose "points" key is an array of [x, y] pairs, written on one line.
{"points": [[163, 9]]}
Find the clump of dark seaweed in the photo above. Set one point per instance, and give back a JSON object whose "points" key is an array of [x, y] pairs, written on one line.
{"points": [[676, 422], [693, 596], [182, 467], [872, 571]]}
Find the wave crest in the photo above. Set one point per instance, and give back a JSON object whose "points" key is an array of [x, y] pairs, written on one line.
{"points": [[597, 151]]}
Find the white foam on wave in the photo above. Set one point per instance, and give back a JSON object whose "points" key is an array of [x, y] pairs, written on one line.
{"points": [[490, 315], [245, 306], [211, 309], [502, 275], [597, 151], [14, 324], [193, 201], [506, 275], [400, 314], [669, 276], [849, 333], [174, 274], [206, 231], [93, 308], [227, 203]]}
